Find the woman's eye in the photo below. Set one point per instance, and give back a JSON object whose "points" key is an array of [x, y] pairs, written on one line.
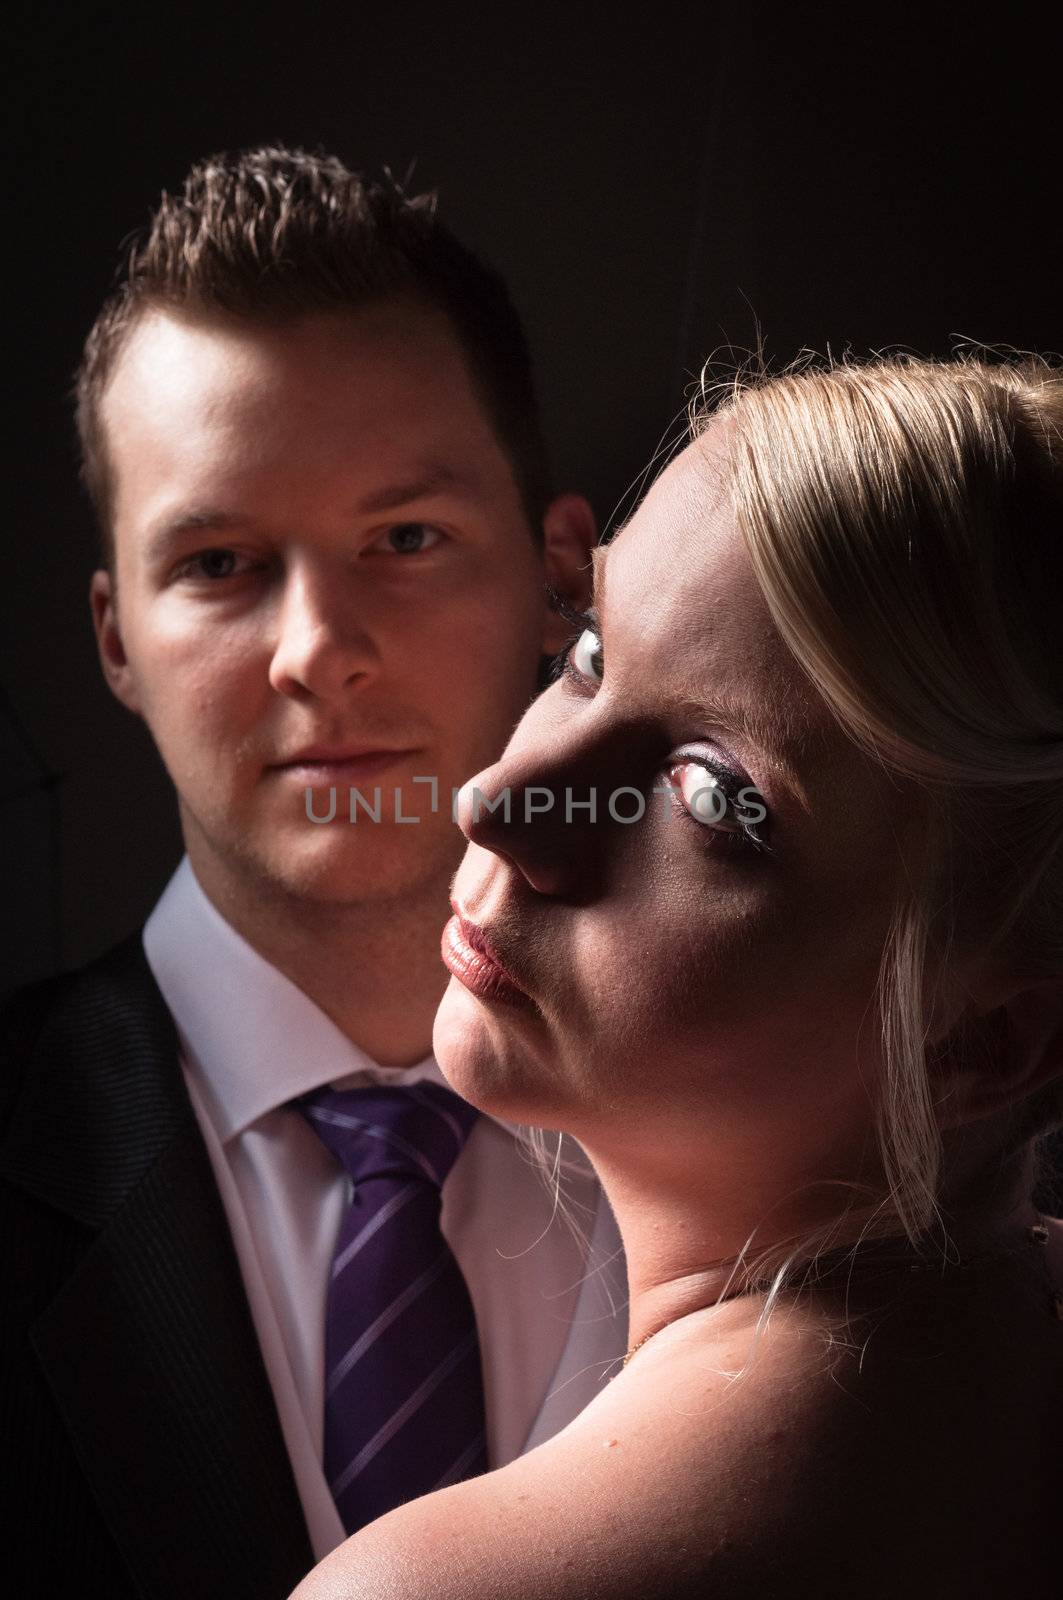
{"points": [[410, 538], [719, 802], [588, 657]]}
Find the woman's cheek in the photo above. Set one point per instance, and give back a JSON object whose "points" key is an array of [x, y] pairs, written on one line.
{"points": [[703, 980]]}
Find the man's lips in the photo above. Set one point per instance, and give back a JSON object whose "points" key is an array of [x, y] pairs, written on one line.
{"points": [[469, 956], [321, 764]]}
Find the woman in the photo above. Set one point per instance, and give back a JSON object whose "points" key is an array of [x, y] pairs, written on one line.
{"points": [[796, 986]]}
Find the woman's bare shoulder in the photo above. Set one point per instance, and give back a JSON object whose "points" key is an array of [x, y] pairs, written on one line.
{"points": [[716, 1462]]}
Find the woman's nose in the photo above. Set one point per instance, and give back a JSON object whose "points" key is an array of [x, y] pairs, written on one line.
{"points": [[322, 644], [547, 817]]}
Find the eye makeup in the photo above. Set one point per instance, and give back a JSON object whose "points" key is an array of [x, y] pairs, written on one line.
{"points": [[717, 798]]}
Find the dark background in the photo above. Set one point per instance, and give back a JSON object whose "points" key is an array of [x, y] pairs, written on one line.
{"points": [[655, 189]]}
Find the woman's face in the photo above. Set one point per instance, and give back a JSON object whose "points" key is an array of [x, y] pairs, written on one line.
{"points": [[677, 976]]}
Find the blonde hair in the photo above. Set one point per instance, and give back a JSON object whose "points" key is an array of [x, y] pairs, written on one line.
{"points": [[904, 519]]}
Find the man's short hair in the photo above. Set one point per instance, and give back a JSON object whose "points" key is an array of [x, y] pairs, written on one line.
{"points": [[272, 234]]}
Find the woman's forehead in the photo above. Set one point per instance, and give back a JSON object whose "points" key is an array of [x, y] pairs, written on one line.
{"points": [[682, 563], [683, 616], [689, 505]]}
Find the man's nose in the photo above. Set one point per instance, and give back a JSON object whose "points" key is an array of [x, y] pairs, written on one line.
{"points": [[322, 642]]}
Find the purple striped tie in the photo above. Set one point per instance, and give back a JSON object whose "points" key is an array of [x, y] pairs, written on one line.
{"points": [[404, 1407]]}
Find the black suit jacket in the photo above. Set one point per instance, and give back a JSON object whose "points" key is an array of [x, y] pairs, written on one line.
{"points": [[142, 1450]]}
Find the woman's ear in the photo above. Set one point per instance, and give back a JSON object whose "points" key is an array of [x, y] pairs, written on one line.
{"points": [[1005, 1048], [570, 533]]}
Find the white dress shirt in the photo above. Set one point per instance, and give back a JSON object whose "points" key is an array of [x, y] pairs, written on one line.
{"points": [[550, 1305]]}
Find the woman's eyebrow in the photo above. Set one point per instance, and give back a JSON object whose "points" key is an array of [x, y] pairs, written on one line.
{"points": [[767, 733], [599, 556]]}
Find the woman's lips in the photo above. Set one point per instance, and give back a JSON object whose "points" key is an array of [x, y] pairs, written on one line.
{"points": [[469, 957]]}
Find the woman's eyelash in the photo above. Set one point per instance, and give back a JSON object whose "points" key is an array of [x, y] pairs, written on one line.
{"points": [[563, 667], [564, 608], [733, 788], [580, 621]]}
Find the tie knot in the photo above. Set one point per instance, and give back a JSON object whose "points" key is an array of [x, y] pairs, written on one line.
{"points": [[382, 1132]]}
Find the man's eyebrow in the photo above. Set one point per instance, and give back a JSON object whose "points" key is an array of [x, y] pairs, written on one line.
{"points": [[171, 530], [433, 481]]}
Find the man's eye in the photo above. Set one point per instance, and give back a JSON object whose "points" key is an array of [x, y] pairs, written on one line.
{"points": [[588, 657], [211, 564], [409, 538]]}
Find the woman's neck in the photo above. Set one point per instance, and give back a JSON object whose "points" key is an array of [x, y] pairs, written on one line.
{"points": [[692, 1246]]}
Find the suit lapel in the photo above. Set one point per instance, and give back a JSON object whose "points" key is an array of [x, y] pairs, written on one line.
{"points": [[149, 1347]]}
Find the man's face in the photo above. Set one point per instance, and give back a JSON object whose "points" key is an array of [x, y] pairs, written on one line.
{"points": [[323, 577]]}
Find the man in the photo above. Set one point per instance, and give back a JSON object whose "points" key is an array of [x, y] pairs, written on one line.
{"points": [[308, 429]]}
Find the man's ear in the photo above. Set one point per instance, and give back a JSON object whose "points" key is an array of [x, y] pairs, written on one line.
{"points": [[570, 533], [103, 599], [1000, 1053]]}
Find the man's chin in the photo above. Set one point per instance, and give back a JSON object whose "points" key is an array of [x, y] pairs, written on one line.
{"points": [[344, 871]]}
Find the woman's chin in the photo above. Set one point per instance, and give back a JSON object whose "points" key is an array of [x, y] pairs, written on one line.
{"points": [[481, 1057]]}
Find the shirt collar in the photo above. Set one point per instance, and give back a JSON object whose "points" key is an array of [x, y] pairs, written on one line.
{"points": [[253, 1038]]}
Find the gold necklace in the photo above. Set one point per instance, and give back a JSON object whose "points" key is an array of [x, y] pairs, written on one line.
{"points": [[638, 1345], [1036, 1234]]}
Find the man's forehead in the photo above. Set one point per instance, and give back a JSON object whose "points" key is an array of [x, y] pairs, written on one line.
{"points": [[204, 401], [396, 343]]}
